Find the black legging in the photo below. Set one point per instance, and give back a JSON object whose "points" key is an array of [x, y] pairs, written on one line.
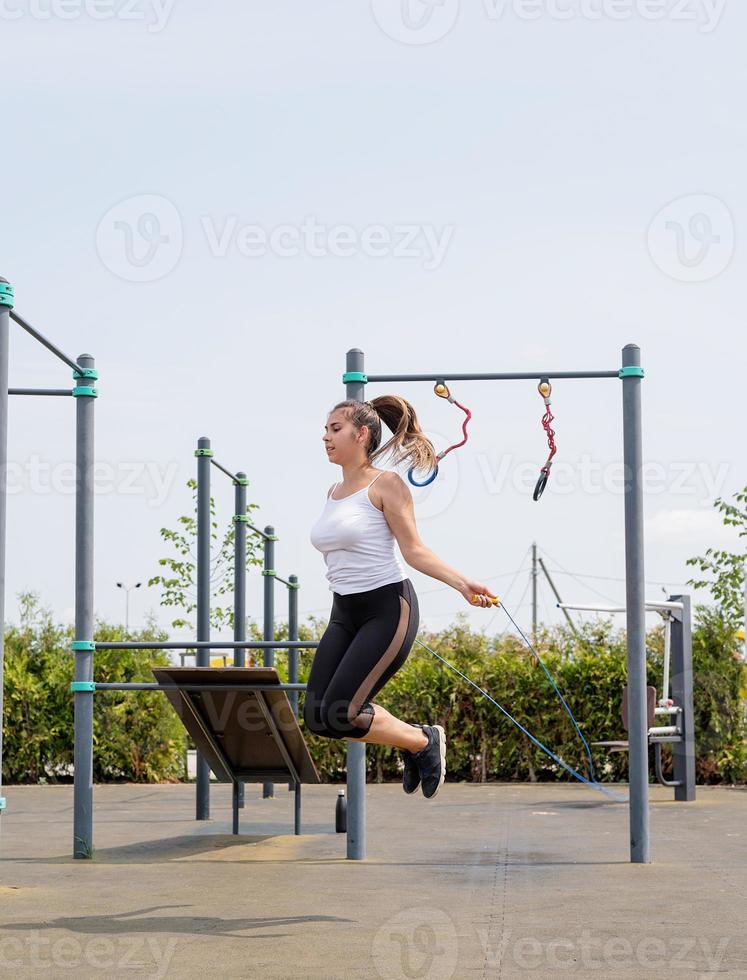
{"points": [[366, 642]]}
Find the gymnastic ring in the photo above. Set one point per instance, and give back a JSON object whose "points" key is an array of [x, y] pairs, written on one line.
{"points": [[541, 484], [430, 479]]}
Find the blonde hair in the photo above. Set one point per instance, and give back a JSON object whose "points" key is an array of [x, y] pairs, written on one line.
{"points": [[408, 442]]}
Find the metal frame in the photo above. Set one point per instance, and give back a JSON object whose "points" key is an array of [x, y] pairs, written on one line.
{"points": [[678, 664], [630, 374], [84, 647]]}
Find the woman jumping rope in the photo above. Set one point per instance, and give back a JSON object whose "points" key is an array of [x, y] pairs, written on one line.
{"points": [[375, 614]]}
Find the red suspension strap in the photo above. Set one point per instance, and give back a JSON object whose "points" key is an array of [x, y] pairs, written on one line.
{"points": [[442, 391], [545, 390]]}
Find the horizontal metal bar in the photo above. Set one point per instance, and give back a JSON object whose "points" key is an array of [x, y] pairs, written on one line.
{"points": [[674, 710], [41, 391], [501, 376], [222, 468], [261, 533], [211, 645], [651, 606], [145, 686], [43, 341], [665, 730]]}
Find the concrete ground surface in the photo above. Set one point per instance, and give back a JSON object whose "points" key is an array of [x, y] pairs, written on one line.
{"points": [[493, 880]]}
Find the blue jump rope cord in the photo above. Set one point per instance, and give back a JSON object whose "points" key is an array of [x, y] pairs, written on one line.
{"points": [[592, 783]]}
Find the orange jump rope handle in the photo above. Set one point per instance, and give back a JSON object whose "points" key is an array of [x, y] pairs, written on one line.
{"points": [[494, 602]]}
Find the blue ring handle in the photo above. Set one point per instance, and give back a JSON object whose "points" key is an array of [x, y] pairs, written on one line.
{"points": [[430, 479]]}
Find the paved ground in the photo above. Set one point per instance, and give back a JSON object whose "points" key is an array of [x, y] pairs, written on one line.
{"points": [[485, 881]]}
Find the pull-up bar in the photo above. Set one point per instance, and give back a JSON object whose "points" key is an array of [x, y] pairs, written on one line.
{"points": [[501, 376]]}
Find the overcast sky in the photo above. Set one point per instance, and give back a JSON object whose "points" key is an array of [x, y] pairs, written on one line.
{"points": [[217, 201]]}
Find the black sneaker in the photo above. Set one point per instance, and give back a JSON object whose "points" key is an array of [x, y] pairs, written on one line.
{"points": [[432, 761], [411, 775]]}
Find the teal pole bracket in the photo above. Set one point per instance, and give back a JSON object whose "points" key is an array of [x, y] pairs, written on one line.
{"points": [[269, 572], [6, 294], [293, 585], [632, 371], [354, 376], [85, 391], [91, 373], [82, 687], [81, 645], [3, 804], [204, 452], [272, 537], [240, 518], [241, 481]]}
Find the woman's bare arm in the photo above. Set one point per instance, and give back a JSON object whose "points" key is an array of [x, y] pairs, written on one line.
{"points": [[399, 512]]}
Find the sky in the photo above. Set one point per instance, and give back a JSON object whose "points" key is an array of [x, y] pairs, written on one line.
{"points": [[217, 202]]}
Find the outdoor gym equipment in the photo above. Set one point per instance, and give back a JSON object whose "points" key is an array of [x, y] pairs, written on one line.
{"points": [[630, 373], [83, 686], [675, 705]]}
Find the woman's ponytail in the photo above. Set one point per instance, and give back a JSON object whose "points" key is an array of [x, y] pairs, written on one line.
{"points": [[408, 443]]}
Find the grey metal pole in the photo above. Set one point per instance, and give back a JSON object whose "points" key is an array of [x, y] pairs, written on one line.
{"points": [[6, 302], [268, 626], [239, 586], [355, 387], [293, 654], [635, 602], [535, 573], [83, 645], [203, 454], [682, 694], [293, 635]]}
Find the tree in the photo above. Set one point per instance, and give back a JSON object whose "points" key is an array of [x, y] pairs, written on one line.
{"points": [[179, 584], [726, 568]]}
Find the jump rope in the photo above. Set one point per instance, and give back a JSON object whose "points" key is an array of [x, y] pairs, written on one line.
{"points": [[545, 391]]}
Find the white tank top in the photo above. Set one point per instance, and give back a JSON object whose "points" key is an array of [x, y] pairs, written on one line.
{"points": [[357, 544]]}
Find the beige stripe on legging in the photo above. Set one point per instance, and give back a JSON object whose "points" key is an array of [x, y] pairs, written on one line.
{"points": [[356, 702]]}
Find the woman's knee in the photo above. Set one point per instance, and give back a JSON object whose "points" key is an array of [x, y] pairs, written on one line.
{"points": [[312, 715], [345, 720]]}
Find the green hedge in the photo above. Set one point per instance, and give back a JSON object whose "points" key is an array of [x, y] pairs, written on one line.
{"points": [[590, 671], [139, 738]]}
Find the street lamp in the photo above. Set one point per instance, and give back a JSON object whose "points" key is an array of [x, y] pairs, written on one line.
{"points": [[127, 589]]}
